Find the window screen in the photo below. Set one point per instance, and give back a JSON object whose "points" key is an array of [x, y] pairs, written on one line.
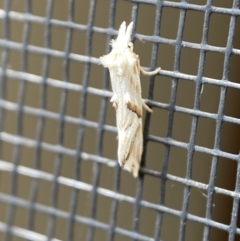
{"points": [[59, 175]]}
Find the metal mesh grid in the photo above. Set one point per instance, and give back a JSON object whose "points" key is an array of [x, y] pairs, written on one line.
{"points": [[41, 113]]}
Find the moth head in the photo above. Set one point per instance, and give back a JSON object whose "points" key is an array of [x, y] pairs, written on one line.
{"points": [[124, 36]]}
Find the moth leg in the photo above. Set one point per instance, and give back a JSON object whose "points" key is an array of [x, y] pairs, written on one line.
{"points": [[150, 72], [114, 101], [146, 107]]}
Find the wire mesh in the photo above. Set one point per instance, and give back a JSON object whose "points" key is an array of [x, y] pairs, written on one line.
{"points": [[14, 141]]}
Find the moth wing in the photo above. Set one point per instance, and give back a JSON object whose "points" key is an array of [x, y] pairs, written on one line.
{"points": [[130, 141]]}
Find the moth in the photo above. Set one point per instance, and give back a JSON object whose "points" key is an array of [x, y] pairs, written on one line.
{"points": [[124, 67]]}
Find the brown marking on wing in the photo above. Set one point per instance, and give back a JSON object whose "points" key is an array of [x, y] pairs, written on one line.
{"points": [[134, 82], [134, 108], [127, 156], [135, 70], [125, 160]]}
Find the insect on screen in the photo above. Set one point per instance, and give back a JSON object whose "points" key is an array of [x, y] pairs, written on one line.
{"points": [[59, 172]]}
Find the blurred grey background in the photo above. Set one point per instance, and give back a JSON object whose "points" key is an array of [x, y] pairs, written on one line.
{"points": [[230, 141]]}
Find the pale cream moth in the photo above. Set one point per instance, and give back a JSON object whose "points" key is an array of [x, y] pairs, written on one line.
{"points": [[124, 67]]}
